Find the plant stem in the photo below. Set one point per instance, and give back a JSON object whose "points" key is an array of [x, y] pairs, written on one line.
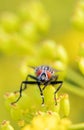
{"points": [[77, 127], [74, 89], [75, 77]]}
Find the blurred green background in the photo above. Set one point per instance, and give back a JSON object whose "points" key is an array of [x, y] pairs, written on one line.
{"points": [[63, 32]]}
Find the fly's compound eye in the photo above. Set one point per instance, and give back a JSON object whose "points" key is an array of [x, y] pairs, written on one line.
{"points": [[48, 74], [38, 72]]}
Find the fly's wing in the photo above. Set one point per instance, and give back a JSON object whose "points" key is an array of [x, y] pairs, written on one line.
{"points": [[56, 70]]}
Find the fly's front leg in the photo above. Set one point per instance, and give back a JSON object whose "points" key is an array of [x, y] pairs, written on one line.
{"points": [[20, 92], [45, 85], [54, 80], [57, 82], [23, 87], [29, 76], [41, 93]]}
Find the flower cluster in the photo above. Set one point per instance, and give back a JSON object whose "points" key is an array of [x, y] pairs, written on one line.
{"points": [[78, 16], [29, 114], [21, 30], [81, 58]]}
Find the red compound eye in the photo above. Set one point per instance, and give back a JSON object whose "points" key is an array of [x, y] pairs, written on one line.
{"points": [[38, 72], [48, 74]]}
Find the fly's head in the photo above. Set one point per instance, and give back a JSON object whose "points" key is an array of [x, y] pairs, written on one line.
{"points": [[44, 73]]}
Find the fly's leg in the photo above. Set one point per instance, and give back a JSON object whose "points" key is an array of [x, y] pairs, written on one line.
{"points": [[57, 82], [54, 81], [23, 87], [41, 93]]}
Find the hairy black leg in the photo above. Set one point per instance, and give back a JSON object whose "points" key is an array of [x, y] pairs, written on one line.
{"points": [[53, 81], [20, 93], [41, 93], [45, 85], [31, 76], [23, 87], [57, 82]]}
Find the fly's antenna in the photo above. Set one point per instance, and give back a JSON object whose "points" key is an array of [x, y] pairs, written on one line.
{"points": [[31, 66]]}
